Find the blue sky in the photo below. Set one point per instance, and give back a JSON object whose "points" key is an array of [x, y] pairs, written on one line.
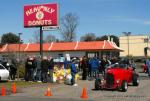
{"points": [[102, 17]]}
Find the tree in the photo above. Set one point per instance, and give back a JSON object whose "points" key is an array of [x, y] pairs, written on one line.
{"points": [[9, 38], [102, 38], [50, 38], [88, 37], [36, 36], [110, 37], [69, 25]]}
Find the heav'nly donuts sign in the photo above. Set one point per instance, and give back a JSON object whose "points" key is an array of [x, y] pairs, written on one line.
{"points": [[41, 15]]}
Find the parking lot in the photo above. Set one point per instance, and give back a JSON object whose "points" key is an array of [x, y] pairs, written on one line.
{"points": [[66, 92]]}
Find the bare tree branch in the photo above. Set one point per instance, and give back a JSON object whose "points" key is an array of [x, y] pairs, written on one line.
{"points": [[69, 24], [36, 36]]}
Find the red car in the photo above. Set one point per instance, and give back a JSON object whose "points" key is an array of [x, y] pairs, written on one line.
{"points": [[117, 77], [145, 68]]}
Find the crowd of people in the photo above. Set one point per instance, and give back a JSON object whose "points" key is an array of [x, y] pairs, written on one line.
{"points": [[41, 70], [91, 67]]}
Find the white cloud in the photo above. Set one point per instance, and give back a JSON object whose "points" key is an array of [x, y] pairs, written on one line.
{"points": [[147, 22]]}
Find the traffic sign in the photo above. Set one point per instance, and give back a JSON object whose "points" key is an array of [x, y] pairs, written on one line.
{"points": [[47, 28]]}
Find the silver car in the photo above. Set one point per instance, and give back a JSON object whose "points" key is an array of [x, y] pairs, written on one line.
{"points": [[4, 73]]}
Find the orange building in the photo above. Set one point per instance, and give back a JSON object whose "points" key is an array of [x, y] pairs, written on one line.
{"points": [[75, 49]]}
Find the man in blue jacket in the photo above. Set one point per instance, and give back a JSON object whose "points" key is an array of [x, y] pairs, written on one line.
{"points": [[73, 72], [94, 63]]}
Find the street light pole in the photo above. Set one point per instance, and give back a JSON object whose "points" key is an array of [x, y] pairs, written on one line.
{"points": [[19, 44], [19, 56], [41, 42], [127, 34]]}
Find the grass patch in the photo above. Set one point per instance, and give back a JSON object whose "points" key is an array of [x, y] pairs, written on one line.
{"points": [[19, 84]]}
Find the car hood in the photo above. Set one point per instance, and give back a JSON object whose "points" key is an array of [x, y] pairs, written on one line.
{"points": [[114, 70]]}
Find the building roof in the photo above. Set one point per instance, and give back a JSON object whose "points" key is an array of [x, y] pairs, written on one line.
{"points": [[63, 46], [66, 46]]}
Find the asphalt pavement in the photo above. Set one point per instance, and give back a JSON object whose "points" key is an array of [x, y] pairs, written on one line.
{"points": [[62, 92]]}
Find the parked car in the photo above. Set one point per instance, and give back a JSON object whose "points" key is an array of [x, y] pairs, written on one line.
{"points": [[4, 73], [117, 76]]}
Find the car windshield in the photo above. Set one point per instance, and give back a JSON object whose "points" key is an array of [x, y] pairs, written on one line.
{"points": [[1, 67], [119, 64]]}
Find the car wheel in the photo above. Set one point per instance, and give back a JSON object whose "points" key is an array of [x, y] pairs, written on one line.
{"points": [[124, 86], [97, 84], [135, 80]]}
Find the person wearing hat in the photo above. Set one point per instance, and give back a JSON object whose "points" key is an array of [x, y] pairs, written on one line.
{"points": [[73, 72]]}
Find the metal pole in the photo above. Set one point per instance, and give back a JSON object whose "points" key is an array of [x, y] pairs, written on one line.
{"points": [[19, 57], [147, 40], [19, 48], [128, 44], [127, 34], [41, 42]]}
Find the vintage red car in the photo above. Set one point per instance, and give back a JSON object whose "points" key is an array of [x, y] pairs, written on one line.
{"points": [[117, 77], [145, 68]]}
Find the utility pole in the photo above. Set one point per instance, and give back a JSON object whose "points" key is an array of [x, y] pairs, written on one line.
{"points": [[127, 34], [19, 44], [19, 56], [41, 42]]}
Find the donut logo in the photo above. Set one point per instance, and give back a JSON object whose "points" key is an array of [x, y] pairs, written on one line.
{"points": [[40, 15]]}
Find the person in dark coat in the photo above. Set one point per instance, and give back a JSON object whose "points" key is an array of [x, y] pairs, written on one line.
{"points": [[44, 69], [30, 65], [51, 69], [104, 63], [113, 60], [13, 69], [38, 69], [34, 68], [84, 66]]}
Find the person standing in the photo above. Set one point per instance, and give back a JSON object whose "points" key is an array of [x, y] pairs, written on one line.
{"points": [[84, 66], [34, 68], [30, 65], [44, 69], [148, 64], [104, 63], [73, 73], [132, 64], [38, 69], [113, 60], [94, 63], [51, 69], [13, 69]]}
